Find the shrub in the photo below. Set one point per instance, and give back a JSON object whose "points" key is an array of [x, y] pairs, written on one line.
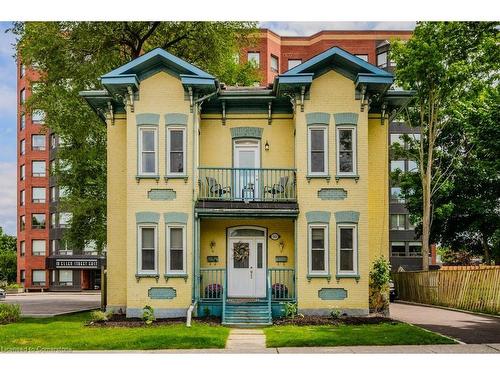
{"points": [[148, 315], [291, 310], [9, 313], [100, 316], [335, 313], [380, 276]]}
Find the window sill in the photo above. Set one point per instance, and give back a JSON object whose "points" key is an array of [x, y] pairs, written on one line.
{"points": [[147, 177], [327, 177], [347, 276], [139, 276], [176, 276], [176, 177], [319, 276], [355, 177]]}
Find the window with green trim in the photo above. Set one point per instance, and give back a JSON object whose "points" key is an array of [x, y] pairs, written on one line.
{"points": [[176, 249], [318, 249], [317, 150], [346, 150], [148, 151], [347, 249], [147, 249], [176, 151]]}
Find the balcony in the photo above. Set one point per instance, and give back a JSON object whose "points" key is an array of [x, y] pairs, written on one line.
{"points": [[247, 184]]}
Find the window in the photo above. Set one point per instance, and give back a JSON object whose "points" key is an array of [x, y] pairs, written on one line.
{"points": [[38, 221], [22, 197], [362, 57], [22, 172], [53, 141], [397, 165], [38, 142], [147, 152], [52, 194], [292, 63], [52, 167], [318, 156], [412, 166], [66, 277], [346, 150], [22, 70], [254, 58], [53, 248], [38, 277], [396, 138], [38, 168], [411, 225], [38, 247], [398, 249], [22, 223], [415, 249], [64, 249], [22, 248], [53, 217], [38, 195], [347, 249], [176, 250], [90, 248], [318, 249], [65, 219], [63, 192], [22, 147], [397, 222], [396, 196], [147, 249], [274, 64], [382, 60], [38, 116], [176, 151], [22, 96], [22, 276], [22, 121]]}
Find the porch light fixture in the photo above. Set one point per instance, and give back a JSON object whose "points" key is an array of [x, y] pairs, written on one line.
{"points": [[282, 245], [212, 245], [266, 146]]}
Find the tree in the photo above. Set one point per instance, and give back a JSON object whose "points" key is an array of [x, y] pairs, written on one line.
{"points": [[8, 257], [71, 57], [446, 63]]}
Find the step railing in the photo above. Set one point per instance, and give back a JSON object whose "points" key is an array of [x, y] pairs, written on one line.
{"points": [[212, 284], [269, 295], [247, 184], [282, 284]]}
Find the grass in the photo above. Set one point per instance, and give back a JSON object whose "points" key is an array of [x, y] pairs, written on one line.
{"points": [[347, 335], [69, 332]]}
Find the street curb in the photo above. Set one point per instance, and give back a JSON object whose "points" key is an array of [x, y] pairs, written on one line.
{"points": [[447, 308]]}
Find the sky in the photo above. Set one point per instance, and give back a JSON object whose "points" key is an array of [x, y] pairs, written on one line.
{"points": [[8, 141]]}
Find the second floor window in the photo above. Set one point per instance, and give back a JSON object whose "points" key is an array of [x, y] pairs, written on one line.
{"points": [[22, 248], [318, 249], [176, 250], [292, 63], [38, 221], [38, 195], [38, 142], [148, 151], [53, 219], [22, 172], [148, 248], [65, 219], [22, 147], [38, 168], [38, 247], [22, 197], [362, 57], [397, 221], [318, 156], [176, 151], [53, 141], [347, 249], [274, 64], [38, 116], [346, 150], [382, 60], [22, 121], [22, 96], [396, 196], [22, 223], [254, 58], [38, 277]]}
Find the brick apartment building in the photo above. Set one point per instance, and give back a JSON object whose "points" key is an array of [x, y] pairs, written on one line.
{"points": [[275, 54], [44, 260]]}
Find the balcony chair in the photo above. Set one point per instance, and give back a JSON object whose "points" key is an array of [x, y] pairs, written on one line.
{"points": [[216, 189], [279, 188]]}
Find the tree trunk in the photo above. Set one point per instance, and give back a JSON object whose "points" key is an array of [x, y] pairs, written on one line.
{"points": [[486, 250], [426, 220]]}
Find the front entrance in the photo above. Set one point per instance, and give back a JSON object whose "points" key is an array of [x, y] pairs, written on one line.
{"points": [[246, 268]]}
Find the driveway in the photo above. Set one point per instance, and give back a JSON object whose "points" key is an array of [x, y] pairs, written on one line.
{"points": [[50, 304], [465, 327]]}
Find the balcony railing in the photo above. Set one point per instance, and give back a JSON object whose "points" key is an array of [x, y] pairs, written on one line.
{"points": [[247, 184]]}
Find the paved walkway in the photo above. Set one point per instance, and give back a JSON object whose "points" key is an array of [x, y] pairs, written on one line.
{"points": [[49, 304], [246, 340], [465, 327]]}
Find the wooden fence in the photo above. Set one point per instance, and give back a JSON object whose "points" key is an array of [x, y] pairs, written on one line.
{"points": [[473, 290], [478, 267]]}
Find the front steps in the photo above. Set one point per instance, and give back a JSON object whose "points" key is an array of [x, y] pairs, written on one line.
{"points": [[246, 314]]}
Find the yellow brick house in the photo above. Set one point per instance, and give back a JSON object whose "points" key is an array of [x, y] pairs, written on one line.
{"points": [[233, 201]]}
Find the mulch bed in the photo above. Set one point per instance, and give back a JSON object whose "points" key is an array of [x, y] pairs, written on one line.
{"points": [[316, 320], [122, 321]]}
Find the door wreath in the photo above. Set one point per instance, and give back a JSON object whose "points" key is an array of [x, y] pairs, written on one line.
{"points": [[241, 251]]}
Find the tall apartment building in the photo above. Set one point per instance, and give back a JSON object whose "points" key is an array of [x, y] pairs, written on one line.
{"points": [[45, 261], [275, 54]]}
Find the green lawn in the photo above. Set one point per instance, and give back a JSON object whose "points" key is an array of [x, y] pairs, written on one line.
{"points": [[70, 333], [344, 335]]}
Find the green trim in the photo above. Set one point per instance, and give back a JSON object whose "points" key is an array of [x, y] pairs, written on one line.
{"points": [[348, 177], [246, 132], [318, 217], [315, 276], [176, 119], [332, 194], [316, 118], [162, 194], [346, 217], [162, 293], [139, 276], [152, 177], [346, 118], [147, 119], [147, 217], [327, 177], [332, 293], [176, 276], [175, 217], [340, 276]]}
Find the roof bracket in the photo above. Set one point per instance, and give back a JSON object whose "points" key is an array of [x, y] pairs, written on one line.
{"points": [[269, 112], [383, 110], [191, 101], [130, 98], [224, 113], [302, 96], [111, 114], [363, 98]]}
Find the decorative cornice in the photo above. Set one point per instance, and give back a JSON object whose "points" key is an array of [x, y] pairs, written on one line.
{"points": [[346, 118], [176, 119], [175, 217], [318, 118], [147, 217], [318, 216], [246, 132], [347, 216], [147, 119]]}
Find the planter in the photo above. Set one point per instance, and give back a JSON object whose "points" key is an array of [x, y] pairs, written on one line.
{"points": [[14, 290]]}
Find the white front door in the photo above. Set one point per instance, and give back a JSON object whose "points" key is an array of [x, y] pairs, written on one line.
{"points": [[247, 164], [247, 268]]}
